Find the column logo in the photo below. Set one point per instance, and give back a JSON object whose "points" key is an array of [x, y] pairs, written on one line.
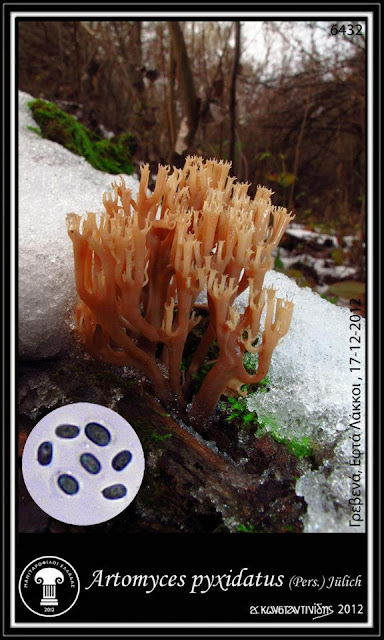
{"points": [[49, 586]]}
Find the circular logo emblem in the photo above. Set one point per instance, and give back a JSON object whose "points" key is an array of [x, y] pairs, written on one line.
{"points": [[49, 586]]}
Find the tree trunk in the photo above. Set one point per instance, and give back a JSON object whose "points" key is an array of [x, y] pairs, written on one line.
{"points": [[298, 147], [171, 112], [232, 97], [190, 121]]}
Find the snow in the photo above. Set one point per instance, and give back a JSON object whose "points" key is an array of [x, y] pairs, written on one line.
{"points": [[52, 182], [313, 394], [304, 234], [311, 386], [321, 266]]}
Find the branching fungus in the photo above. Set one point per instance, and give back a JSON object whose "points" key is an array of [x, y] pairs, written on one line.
{"points": [[141, 265]]}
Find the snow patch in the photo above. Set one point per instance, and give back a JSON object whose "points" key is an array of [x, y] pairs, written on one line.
{"points": [[52, 182], [311, 396]]}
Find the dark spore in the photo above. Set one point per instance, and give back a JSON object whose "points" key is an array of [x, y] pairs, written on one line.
{"points": [[115, 491], [67, 431], [68, 484], [90, 463], [44, 453], [98, 434], [121, 460]]}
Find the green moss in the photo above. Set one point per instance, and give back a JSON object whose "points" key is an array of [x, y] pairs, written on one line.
{"points": [[279, 264], [202, 372], [250, 362], [246, 528], [236, 410], [264, 385], [298, 276], [347, 289], [35, 130], [289, 528], [159, 438], [331, 299], [113, 156], [300, 447], [236, 407]]}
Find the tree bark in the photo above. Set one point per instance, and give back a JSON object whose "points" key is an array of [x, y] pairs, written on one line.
{"points": [[187, 87], [232, 97], [298, 148], [171, 112]]}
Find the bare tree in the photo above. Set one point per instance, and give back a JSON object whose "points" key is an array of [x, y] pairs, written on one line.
{"points": [[232, 101], [298, 111], [190, 120]]}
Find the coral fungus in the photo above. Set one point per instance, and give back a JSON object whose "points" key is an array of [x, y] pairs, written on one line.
{"points": [[141, 264]]}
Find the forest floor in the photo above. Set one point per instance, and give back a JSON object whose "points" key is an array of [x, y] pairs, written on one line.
{"points": [[222, 480]]}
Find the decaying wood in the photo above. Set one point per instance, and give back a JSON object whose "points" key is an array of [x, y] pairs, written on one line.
{"points": [[188, 486]]}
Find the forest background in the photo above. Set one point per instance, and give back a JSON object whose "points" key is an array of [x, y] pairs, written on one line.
{"points": [[284, 101]]}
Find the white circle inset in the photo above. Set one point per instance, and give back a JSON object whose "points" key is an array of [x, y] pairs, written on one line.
{"points": [[83, 464]]}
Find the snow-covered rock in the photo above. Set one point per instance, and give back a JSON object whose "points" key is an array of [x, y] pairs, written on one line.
{"points": [[298, 232], [312, 252], [52, 182], [323, 269]]}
